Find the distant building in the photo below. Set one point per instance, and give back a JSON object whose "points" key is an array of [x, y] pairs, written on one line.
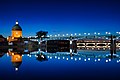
{"points": [[3, 51], [17, 40], [16, 33], [3, 41]]}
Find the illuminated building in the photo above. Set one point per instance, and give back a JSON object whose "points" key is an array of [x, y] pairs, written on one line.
{"points": [[16, 33]]}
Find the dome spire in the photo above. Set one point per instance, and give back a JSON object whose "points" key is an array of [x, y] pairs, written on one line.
{"points": [[16, 21]]}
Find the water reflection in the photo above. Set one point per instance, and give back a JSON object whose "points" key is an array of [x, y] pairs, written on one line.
{"points": [[2, 52], [41, 57], [16, 55], [16, 59]]}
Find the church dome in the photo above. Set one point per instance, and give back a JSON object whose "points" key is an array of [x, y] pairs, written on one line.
{"points": [[16, 27]]}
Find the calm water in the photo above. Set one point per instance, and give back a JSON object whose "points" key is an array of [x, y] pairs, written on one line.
{"points": [[61, 66]]}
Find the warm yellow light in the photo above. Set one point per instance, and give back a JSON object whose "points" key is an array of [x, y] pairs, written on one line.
{"points": [[17, 34], [12, 53], [16, 58], [12, 37]]}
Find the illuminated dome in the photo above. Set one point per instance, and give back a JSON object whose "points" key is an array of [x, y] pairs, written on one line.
{"points": [[16, 27]]}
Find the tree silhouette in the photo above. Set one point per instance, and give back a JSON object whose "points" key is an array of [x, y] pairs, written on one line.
{"points": [[41, 34]]}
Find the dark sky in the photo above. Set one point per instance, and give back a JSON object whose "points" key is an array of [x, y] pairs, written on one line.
{"points": [[60, 16]]}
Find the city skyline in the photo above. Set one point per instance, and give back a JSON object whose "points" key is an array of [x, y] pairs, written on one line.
{"points": [[60, 16]]}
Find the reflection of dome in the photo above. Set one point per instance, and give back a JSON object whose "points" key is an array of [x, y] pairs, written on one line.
{"points": [[16, 27], [16, 64]]}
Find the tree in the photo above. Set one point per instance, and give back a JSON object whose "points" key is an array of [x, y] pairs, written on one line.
{"points": [[41, 34]]}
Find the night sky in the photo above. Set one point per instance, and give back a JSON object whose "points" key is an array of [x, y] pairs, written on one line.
{"points": [[60, 16]]}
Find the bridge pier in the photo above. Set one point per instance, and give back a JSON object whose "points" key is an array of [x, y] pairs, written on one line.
{"points": [[71, 50], [73, 46], [112, 46], [46, 46]]}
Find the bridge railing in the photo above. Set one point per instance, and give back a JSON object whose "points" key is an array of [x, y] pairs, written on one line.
{"points": [[79, 36]]}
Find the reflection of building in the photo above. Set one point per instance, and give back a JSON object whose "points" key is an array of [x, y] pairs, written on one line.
{"points": [[16, 33], [2, 52], [58, 46], [31, 45], [16, 59]]}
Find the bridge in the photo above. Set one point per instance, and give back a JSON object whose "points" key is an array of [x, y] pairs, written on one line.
{"points": [[77, 36], [85, 41]]}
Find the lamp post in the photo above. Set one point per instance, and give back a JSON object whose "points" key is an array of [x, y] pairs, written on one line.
{"points": [[85, 35]]}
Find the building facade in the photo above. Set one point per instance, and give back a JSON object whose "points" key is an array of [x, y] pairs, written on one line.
{"points": [[16, 33]]}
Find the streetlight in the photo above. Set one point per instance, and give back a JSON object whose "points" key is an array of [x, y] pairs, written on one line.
{"points": [[109, 33], [55, 35], [88, 33], [94, 32], [106, 32], [75, 34], [79, 34], [84, 33], [98, 33], [48, 36], [58, 34], [117, 32]]}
